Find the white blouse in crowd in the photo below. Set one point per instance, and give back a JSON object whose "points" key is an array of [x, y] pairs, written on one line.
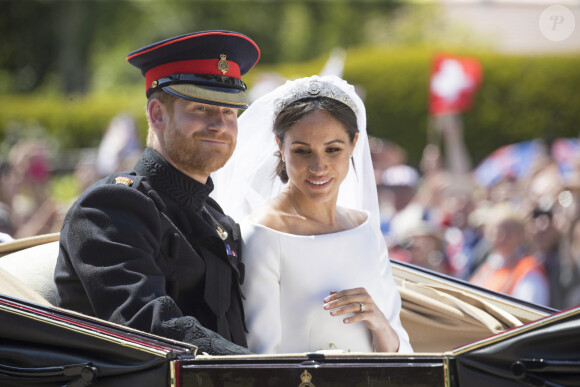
{"points": [[288, 276]]}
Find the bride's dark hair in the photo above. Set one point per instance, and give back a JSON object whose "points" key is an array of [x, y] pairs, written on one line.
{"points": [[301, 108]]}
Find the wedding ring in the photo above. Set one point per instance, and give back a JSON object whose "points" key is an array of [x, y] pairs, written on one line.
{"points": [[362, 307]]}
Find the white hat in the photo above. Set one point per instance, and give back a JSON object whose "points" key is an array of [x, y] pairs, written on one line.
{"points": [[400, 175]]}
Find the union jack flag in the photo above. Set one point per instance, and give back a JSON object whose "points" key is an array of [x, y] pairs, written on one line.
{"points": [[515, 160], [566, 152]]}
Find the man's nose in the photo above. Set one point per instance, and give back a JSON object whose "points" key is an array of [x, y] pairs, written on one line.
{"points": [[217, 121]]}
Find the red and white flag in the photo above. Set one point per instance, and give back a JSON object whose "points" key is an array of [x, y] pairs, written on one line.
{"points": [[453, 83]]}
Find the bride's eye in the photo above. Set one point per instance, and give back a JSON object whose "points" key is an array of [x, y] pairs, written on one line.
{"points": [[333, 150], [301, 151]]}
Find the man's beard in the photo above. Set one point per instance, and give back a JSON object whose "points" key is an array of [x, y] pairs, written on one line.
{"points": [[193, 156]]}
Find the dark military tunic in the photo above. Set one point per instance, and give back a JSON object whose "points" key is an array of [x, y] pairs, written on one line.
{"points": [[149, 249]]}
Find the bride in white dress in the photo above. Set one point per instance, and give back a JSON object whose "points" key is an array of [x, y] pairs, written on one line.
{"points": [[318, 275]]}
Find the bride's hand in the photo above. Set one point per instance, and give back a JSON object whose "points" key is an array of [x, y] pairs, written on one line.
{"points": [[360, 303]]}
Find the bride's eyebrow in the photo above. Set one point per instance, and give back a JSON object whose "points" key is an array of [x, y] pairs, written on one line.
{"points": [[299, 143], [334, 141], [326, 143]]}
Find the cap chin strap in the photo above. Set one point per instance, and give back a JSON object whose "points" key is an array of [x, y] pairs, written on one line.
{"points": [[210, 80]]}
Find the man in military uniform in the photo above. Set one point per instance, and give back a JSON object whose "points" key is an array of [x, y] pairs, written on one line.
{"points": [[148, 248]]}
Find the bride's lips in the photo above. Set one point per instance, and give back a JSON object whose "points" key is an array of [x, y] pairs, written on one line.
{"points": [[319, 183]]}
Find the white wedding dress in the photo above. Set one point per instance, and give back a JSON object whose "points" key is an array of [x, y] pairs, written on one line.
{"points": [[288, 276]]}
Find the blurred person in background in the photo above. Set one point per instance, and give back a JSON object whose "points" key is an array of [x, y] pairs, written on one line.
{"points": [[410, 235], [6, 229], [550, 229], [509, 268], [120, 147], [396, 188], [25, 190], [385, 154], [423, 246], [463, 237], [544, 239], [6, 226], [435, 179], [570, 273]]}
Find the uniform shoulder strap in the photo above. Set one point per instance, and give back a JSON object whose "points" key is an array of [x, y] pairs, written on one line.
{"points": [[131, 179]]}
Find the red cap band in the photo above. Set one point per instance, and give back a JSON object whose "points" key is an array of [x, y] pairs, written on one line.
{"points": [[194, 66]]}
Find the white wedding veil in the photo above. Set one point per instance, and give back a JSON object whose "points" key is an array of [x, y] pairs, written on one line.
{"points": [[248, 180]]}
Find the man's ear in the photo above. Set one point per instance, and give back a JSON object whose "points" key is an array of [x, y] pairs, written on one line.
{"points": [[157, 114]]}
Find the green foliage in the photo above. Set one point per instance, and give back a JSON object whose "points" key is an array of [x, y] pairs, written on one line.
{"points": [[395, 84], [80, 46], [521, 97], [64, 188], [74, 122]]}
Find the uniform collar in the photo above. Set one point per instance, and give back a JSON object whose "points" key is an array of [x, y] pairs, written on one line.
{"points": [[169, 181]]}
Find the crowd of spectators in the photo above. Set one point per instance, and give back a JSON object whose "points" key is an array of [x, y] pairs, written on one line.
{"points": [[28, 206], [518, 235]]}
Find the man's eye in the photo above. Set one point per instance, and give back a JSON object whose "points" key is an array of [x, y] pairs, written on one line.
{"points": [[200, 108]]}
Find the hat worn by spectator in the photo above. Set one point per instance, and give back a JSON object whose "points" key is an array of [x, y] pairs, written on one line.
{"points": [[400, 175], [202, 66]]}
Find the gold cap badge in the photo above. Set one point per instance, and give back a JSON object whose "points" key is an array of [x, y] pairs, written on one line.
{"points": [[223, 64]]}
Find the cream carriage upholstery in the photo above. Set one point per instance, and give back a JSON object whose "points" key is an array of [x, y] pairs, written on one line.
{"points": [[27, 268]]}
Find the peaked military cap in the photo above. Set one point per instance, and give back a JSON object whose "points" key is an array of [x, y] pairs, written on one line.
{"points": [[202, 66]]}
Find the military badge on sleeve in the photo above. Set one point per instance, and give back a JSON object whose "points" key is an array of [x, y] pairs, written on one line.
{"points": [[123, 180]]}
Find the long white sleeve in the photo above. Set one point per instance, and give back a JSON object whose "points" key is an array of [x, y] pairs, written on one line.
{"points": [[391, 308], [261, 254]]}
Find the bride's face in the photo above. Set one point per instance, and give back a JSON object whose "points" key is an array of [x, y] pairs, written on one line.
{"points": [[317, 152]]}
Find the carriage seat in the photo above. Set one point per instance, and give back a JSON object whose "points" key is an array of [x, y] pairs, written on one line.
{"points": [[31, 269]]}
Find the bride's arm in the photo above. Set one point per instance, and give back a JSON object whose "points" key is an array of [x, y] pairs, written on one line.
{"points": [[261, 256]]}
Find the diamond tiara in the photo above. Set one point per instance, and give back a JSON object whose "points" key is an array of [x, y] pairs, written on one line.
{"points": [[312, 89]]}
